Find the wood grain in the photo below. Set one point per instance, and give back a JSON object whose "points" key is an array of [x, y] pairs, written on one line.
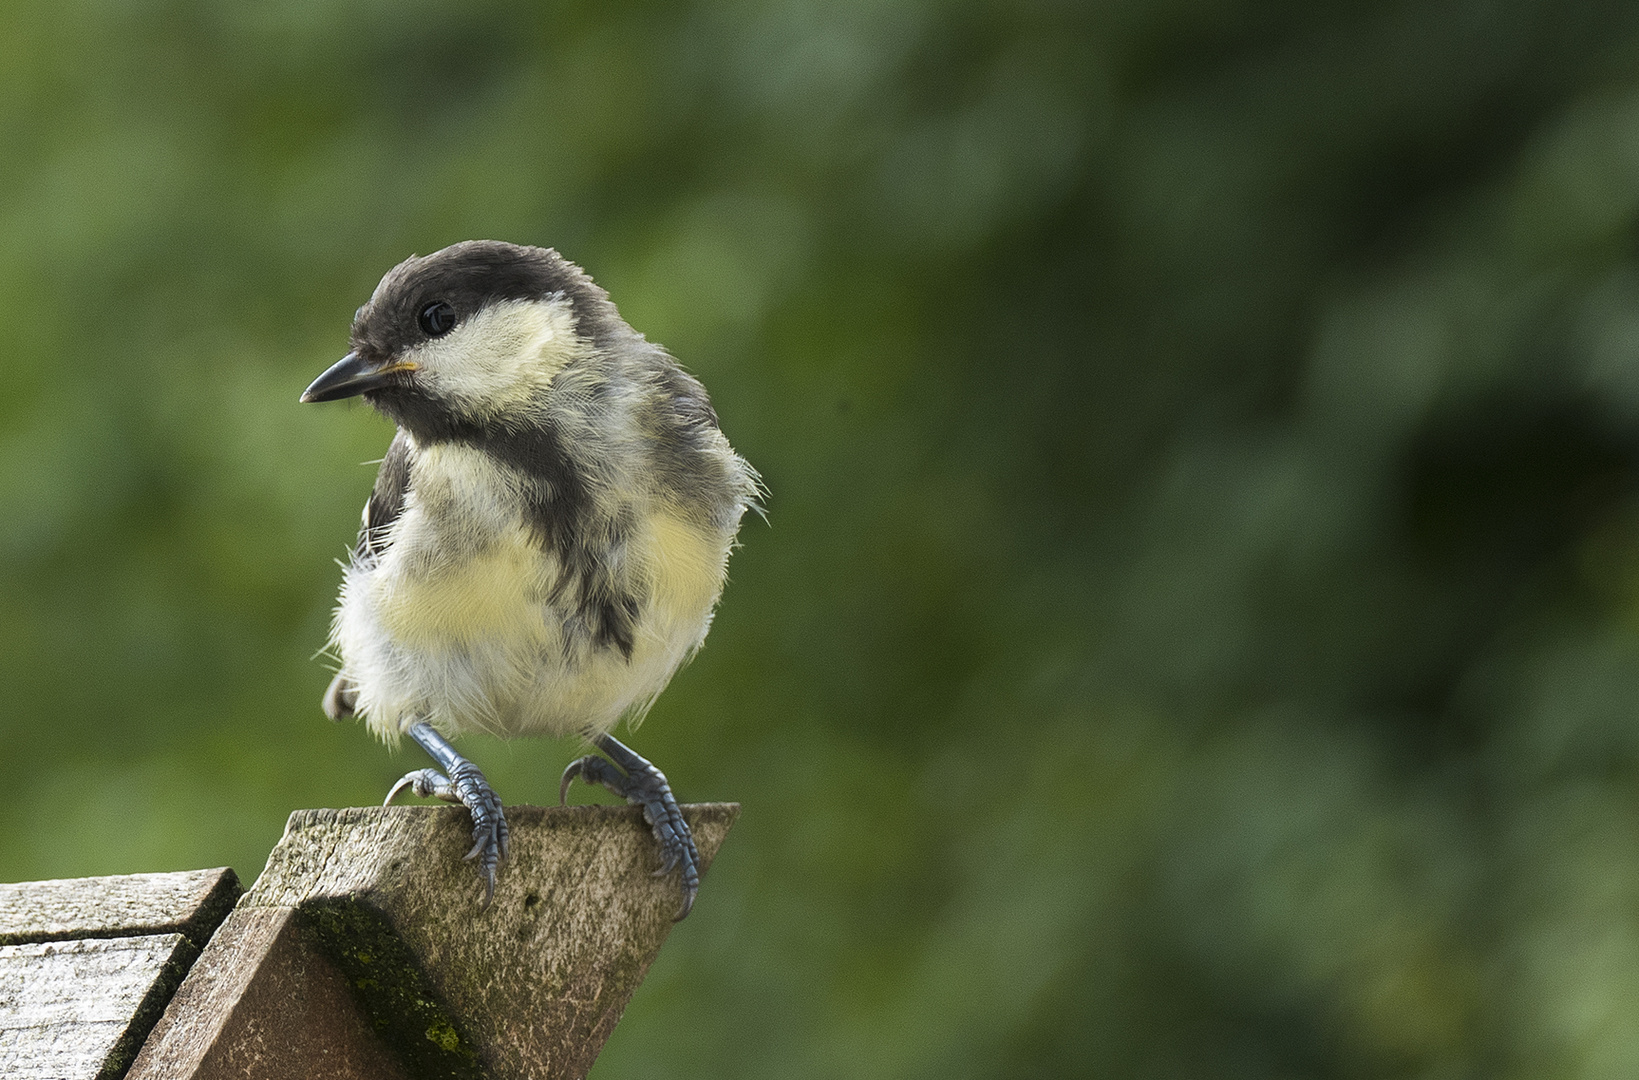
{"points": [[77, 1010], [262, 1003], [530, 987], [189, 902]]}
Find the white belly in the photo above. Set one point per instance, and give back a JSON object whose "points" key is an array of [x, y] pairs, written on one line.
{"points": [[457, 624]]}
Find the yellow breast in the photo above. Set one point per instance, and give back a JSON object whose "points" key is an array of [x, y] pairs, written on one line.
{"points": [[684, 566], [490, 594]]}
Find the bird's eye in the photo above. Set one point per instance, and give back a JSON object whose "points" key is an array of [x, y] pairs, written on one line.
{"points": [[437, 319]]}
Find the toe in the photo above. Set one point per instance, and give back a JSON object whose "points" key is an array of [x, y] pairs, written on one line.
{"points": [[424, 783]]}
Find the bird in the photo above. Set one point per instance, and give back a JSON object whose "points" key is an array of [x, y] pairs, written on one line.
{"points": [[548, 535]]}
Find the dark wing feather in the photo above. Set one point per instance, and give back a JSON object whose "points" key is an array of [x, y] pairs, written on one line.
{"points": [[386, 503]]}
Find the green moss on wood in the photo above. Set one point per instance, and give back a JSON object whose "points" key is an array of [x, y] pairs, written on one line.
{"points": [[392, 989]]}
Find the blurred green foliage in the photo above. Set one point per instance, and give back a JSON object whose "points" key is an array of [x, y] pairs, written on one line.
{"points": [[1198, 629]]}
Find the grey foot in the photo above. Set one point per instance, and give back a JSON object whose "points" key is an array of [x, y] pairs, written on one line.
{"points": [[463, 784], [640, 783]]}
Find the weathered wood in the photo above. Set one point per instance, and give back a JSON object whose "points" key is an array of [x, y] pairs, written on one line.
{"points": [[77, 1010], [88, 964], [190, 903], [264, 1003], [530, 987]]}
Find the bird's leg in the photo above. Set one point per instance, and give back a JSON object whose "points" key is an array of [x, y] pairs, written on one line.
{"points": [[460, 782], [641, 784]]}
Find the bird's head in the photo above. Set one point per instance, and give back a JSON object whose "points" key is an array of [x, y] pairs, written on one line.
{"points": [[468, 336]]}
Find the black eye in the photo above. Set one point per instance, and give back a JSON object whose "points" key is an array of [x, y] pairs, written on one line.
{"points": [[437, 319]]}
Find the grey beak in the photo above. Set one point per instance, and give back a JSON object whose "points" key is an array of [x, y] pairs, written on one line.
{"points": [[350, 376]]}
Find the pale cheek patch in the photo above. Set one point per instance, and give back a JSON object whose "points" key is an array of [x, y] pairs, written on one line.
{"points": [[501, 358]]}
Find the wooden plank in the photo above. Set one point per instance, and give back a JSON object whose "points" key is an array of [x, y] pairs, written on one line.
{"points": [[78, 1010], [262, 1002], [530, 987], [190, 903]]}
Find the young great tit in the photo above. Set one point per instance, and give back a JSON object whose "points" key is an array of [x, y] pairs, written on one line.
{"points": [[549, 530]]}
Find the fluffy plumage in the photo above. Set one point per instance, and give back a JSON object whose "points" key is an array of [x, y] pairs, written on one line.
{"points": [[550, 528]]}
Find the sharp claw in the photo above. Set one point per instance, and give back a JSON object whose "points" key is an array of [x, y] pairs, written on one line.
{"points": [[688, 905], [403, 782], [568, 778]]}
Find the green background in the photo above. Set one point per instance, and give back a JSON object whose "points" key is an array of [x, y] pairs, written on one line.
{"points": [[1197, 628]]}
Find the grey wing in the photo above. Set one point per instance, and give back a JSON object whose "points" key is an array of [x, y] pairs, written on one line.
{"points": [[386, 503]]}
